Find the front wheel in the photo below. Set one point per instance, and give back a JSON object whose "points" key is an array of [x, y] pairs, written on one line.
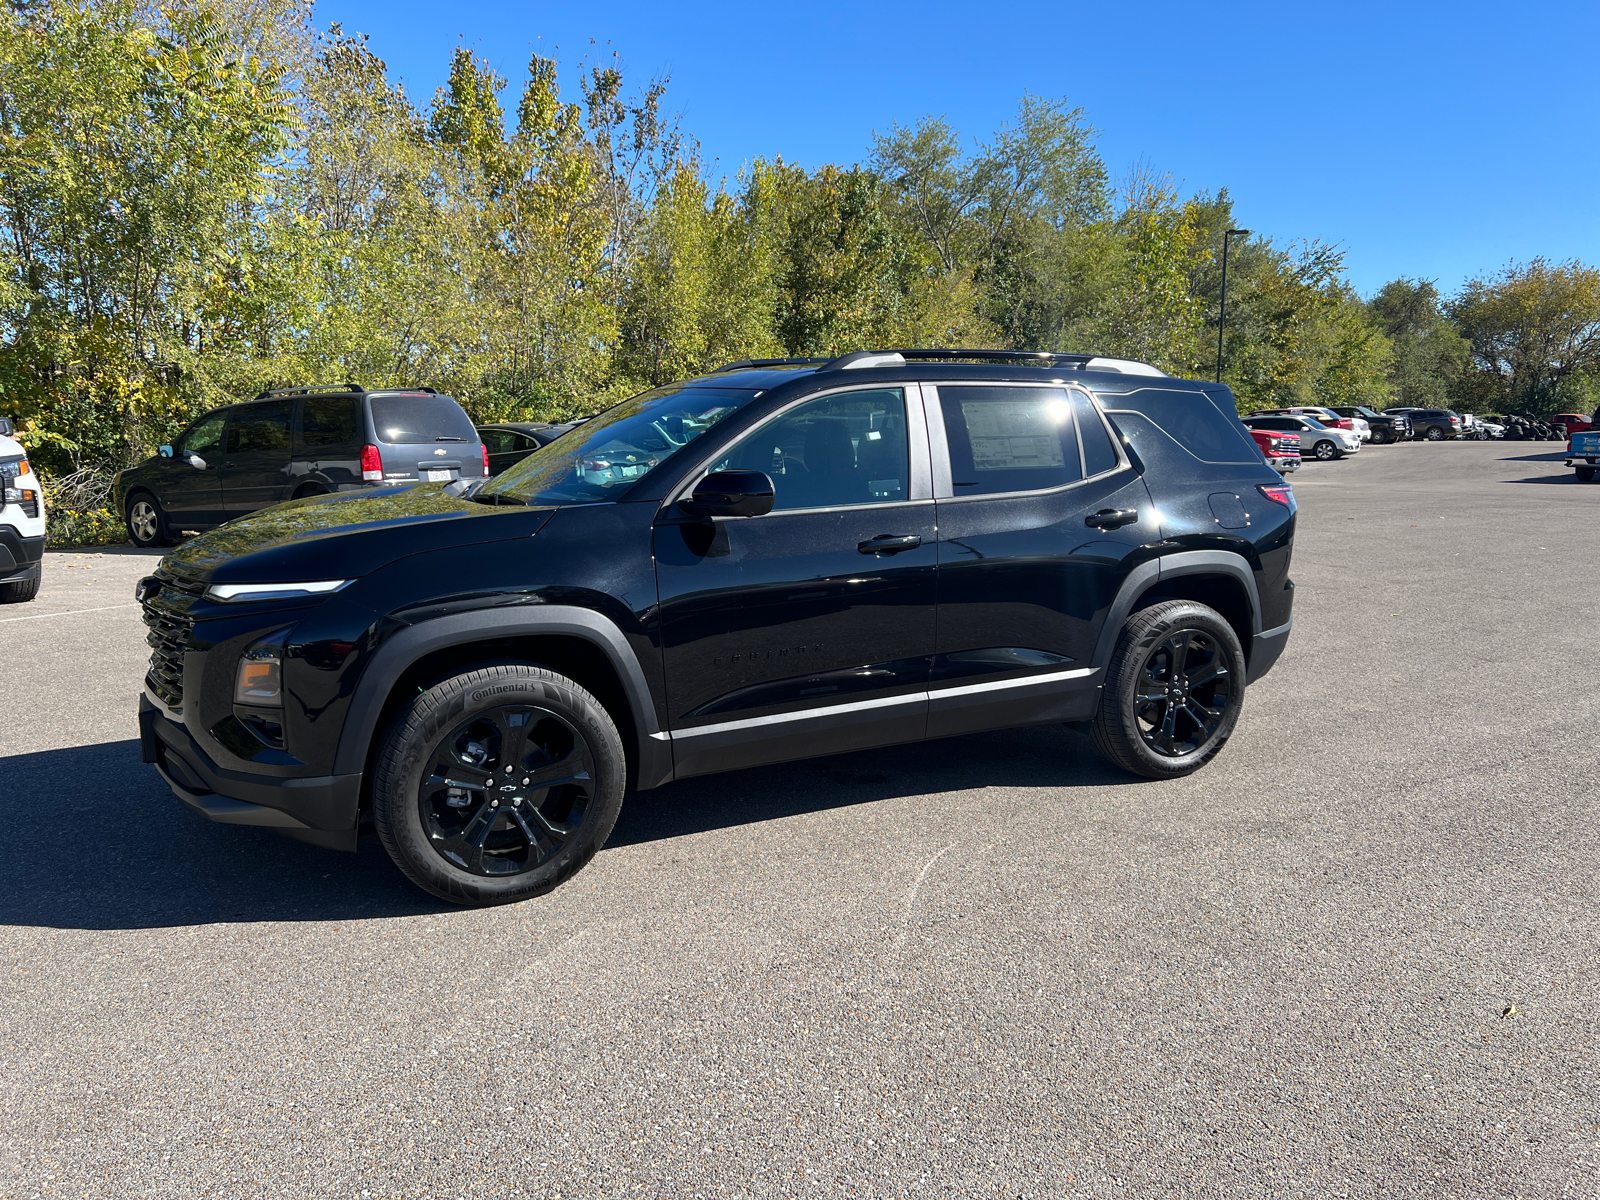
{"points": [[498, 784], [147, 524], [1325, 451], [1173, 691]]}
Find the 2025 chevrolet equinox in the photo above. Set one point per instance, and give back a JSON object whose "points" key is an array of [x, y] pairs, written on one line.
{"points": [[777, 560]]}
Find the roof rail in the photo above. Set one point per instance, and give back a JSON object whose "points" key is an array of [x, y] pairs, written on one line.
{"points": [[310, 390], [744, 364]]}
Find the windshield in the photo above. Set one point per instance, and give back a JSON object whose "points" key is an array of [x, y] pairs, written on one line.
{"points": [[612, 452]]}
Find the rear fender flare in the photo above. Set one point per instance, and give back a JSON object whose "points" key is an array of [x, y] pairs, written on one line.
{"points": [[403, 649], [1172, 566]]}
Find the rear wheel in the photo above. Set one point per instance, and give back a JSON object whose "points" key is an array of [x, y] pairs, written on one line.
{"points": [[498, 784], [1436, 434], [1173, 691], [1586, 474], [147, 524]]}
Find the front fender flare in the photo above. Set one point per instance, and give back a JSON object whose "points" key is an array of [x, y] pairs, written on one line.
{"points": [[403, 649]]}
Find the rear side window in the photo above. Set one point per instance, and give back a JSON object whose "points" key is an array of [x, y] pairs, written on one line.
{"points": [[1009, 439], [499, 441], [416, 420], [1193, 420], [329, 421], [260, 427]]}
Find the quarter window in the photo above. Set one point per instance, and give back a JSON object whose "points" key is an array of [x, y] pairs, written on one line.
{"points": [[1009, 439], [1098, 453], [845, 449], [328, 421]]}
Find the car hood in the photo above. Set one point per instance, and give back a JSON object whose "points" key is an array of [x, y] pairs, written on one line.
{"points": [[345, 536]]}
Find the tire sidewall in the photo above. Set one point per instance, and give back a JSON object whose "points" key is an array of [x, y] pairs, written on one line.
{"points": [[1129, 663], [1325, 451], [430, 717]]}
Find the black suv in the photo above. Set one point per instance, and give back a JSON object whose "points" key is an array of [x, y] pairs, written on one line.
{"points": [[778, 560], [1387, 428], [1430, 424], [295, 442]]}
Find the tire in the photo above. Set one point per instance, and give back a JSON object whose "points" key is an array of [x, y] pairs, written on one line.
{"points": [[1586, 474], [1130, 730], [455, 841], [20, 591], [147, 524], [1436, 434], [1325, 451]]}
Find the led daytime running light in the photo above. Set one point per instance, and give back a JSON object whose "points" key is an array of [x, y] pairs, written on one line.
{"points": [[239, 593]]}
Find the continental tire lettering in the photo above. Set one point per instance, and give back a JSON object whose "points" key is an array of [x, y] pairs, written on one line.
{"points": [[497, 689]]}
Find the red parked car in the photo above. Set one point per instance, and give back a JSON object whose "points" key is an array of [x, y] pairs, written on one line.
{"points": [[1281, 450], [1574, 422]]}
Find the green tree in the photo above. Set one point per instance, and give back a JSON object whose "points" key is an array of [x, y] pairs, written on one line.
{"points": [[1430, 357], [1531, 328]]}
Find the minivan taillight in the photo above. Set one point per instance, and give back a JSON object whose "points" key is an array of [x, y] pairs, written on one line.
{"points": [[485, 460], [371, 464]]}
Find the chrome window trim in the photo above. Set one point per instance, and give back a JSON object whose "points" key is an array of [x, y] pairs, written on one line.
{"points": [[944, 485]]}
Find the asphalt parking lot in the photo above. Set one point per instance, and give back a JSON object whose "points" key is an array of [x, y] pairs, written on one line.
{"points": [[1358, 955]]}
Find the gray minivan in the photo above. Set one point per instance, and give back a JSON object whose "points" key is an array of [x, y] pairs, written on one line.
{"points": [[296, 442]]}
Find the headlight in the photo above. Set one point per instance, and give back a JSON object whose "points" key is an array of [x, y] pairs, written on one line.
{"points": [[260, 678], [239, 593]]}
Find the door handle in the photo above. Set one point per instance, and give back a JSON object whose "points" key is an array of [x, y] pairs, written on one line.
{"points": [[889, 543], [1112, 518]]}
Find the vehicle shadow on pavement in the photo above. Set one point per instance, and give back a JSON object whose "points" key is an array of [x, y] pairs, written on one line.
{"points": [[1566, 479], [1039, 756], [99, 842], [1555, 456]]}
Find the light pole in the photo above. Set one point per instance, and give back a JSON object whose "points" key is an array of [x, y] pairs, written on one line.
{"points": [[1222, 307]]}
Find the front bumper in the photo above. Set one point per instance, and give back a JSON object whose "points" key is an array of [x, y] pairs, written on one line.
{"points": [[19, 556], [321, 809]]}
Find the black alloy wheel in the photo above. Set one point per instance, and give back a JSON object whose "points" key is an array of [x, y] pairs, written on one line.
{"points": [[147, 524], [1325, 451], [498, 784], [506, 790], [1173, 692]]}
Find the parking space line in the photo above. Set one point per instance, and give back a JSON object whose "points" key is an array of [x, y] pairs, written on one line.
{"points": [[75, 612]]}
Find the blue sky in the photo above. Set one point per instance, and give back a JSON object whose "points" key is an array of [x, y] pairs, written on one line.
{"points": [[1431, 140]]}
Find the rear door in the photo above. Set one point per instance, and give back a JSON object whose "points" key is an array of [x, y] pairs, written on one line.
{"points": [[1039, 517], [255, 465], [809, 630], [424, 436]]}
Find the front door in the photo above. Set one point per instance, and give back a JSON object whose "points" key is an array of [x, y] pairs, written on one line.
{"points": [[191, 483], [809, 630], [255, 469], [1038, 516]]}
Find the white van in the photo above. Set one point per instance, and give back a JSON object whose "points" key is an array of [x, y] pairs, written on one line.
{"points": [[21, 521]]}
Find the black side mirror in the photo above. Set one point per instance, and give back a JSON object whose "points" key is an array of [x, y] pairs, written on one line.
{"points": [[731, 494]]}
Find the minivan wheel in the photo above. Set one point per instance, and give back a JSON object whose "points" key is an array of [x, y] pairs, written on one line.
{"points": [[1173, 691], [147, 524], [1325, 451], [498, 784]]}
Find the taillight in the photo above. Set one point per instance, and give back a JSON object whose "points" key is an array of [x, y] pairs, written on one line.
{"points": [[1279, 493], [485, 461], [371, 464]]}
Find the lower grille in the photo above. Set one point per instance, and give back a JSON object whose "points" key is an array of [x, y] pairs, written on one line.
{"points": [[169, 640]]}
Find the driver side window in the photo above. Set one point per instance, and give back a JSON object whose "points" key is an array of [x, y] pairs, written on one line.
{"points": [[205, 436], [846, 449]]}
